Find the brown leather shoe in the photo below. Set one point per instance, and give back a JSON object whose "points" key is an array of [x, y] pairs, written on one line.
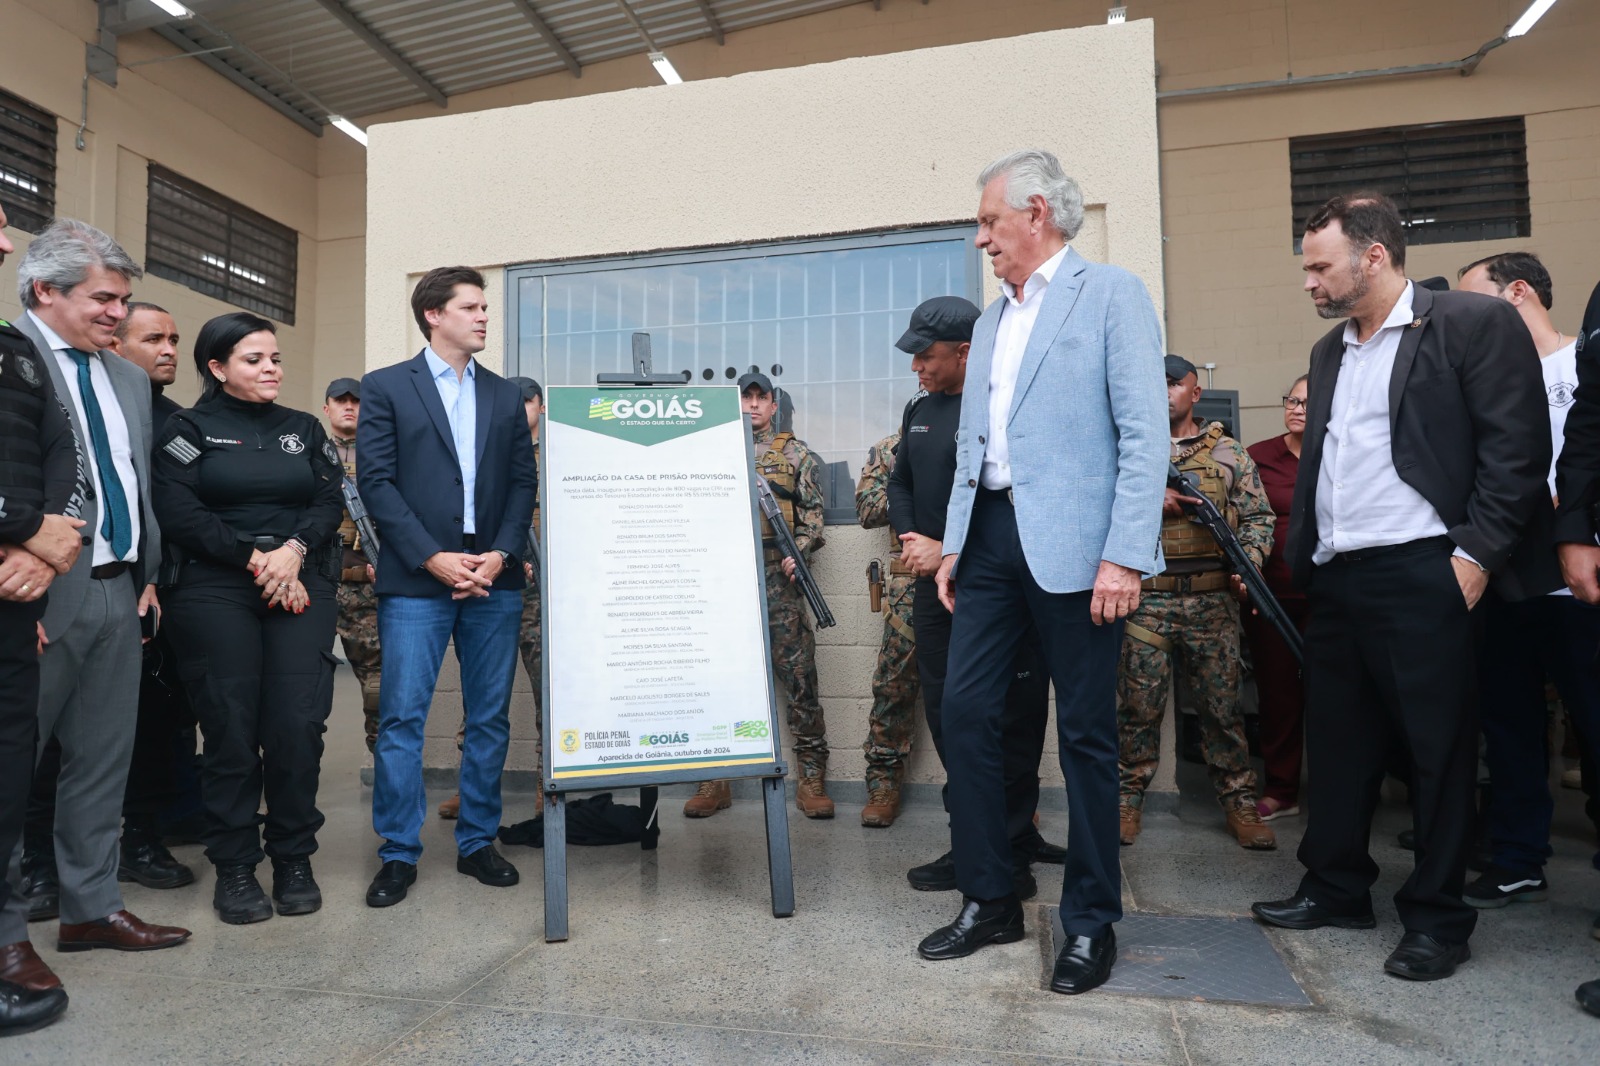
{"points": [[811, 796], [1129, 819], [121, 931], [1246, 826], [21, 965], [883, 806], [709, 798], [450, 809]]}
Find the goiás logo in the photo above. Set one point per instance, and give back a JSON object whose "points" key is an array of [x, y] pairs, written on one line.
{"points": [[569, 741], [646, 410], [656, 740]]}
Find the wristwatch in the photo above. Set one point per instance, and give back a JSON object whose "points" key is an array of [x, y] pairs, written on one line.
{"points": [[506, 558]]}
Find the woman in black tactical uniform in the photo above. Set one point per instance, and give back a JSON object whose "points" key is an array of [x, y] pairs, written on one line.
{"points": [[247, 496]]}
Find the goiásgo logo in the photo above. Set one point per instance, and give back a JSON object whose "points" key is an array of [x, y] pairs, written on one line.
{"points": [[656, 740], [645, 409]]}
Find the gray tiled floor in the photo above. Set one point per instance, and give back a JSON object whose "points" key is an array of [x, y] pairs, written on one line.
{"points": [[674, 958]]}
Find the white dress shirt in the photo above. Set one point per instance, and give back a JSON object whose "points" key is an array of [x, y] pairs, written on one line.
{"points": [[117, 435], [1361, 501], [1010, 342], [460, 399]]}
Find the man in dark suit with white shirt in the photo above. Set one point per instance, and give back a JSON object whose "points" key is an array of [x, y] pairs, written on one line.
{"points": [[1423, 468], [447, 472]]}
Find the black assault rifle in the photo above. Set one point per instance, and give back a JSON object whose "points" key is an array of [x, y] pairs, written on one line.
{"points": [[365, 530], [1261, 598], [533, 558], [786, 544]]}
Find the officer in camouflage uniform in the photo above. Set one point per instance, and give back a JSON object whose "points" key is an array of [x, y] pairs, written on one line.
{"points": [[1191, 609], [793, 472], [895, 684], [358, 606]]}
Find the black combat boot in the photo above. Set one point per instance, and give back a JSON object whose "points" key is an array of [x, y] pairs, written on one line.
{"points": [[293, 888], [40, 886], [146, 860], [238, 896]]}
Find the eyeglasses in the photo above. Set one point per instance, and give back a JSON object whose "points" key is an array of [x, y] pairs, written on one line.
{"points": [[1294, 403]]}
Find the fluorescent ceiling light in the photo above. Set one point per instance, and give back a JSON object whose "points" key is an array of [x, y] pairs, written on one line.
{"points": [[664, 68], [173, 8], [348, 128], [1117, 15], [1534, 13]]}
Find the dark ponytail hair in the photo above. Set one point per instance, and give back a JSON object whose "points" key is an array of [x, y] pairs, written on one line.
{"points": [[217, 340]]}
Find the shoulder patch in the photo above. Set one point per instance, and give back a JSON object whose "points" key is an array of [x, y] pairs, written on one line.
{"points": [[181, 450], [330, 453]]}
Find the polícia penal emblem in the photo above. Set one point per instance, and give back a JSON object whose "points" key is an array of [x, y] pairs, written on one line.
{"points": [[569, 741], [292, 443]]}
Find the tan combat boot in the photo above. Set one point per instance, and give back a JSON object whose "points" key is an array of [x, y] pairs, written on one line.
{"points": [[1129, 818], [883, 805], [1246, 826], [709, 798], [450, 809], [811, 796]]}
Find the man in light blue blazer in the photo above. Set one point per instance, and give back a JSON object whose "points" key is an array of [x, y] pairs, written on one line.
{"points": [[1055, 518]]}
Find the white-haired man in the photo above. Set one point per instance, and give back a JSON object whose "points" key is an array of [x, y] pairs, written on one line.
{"points": [[1067, 362], [74, 281]]}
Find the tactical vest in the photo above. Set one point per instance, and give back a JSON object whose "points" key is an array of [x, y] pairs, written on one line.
{"points": [[22, 400], [888, 464], [1182, 538], [784, 478], [349, 536]]}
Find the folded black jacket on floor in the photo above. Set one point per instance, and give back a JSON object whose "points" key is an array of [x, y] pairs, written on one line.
{"points": [[593, 821]]}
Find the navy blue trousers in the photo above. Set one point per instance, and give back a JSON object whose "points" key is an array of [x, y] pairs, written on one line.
{"points": [[996, 601], [1553, 637]]}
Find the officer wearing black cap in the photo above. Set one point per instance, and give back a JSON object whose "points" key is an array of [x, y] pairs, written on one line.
{"points": [[937, 340], [793, 472], [358, 607]]}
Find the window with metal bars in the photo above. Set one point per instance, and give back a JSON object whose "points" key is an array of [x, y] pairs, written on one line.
{"points": [[27, 163], [213, 245], [1453, 181]]}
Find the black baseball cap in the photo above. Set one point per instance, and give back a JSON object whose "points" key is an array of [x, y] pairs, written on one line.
{"points": [[530, 388], [1178, 368], [943, 318], [760, 381], [343, 387]]}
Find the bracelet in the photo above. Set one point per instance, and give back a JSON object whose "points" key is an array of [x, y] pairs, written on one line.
{"points": [[296, 544]]}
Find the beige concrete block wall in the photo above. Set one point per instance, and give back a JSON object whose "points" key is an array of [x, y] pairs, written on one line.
{"points": [[799, 152]]}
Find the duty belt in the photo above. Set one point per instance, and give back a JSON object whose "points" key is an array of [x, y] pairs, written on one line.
{"points": [[1203, 581], [898, 566]]}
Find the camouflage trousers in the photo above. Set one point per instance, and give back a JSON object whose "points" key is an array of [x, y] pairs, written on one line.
{"points": [[1204, 630], [358, 632], [895, 686], [794, 661]]}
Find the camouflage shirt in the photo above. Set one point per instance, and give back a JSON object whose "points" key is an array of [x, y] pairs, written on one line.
{"points": [[1247, 499], [808, 484], [872, 489]]}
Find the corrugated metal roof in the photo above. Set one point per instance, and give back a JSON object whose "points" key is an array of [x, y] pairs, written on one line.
{"points": [[314, 63]]}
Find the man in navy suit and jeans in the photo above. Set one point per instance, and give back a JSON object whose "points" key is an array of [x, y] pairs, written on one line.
{"points": [[447, 472]]}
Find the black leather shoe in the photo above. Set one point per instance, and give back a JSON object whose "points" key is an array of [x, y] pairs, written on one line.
{"points": [[1023, 884], [146, 861], [42, 891], [936, 876], [1046, 852], [1422, 958], [238, 897], [1299, 912], [489, 867], [978, 924], [1084, 963], [22, 1010], [389, 887], [294, 890], [1589, 997]]}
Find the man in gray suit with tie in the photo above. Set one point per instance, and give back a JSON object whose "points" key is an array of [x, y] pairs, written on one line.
{"points": [[74, 282], [1054, 518]]}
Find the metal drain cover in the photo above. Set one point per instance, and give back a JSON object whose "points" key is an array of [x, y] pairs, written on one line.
{"points": [[1218, 960]]}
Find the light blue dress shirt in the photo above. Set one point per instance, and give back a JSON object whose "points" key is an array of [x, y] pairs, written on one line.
{"points": [[460, 399]]}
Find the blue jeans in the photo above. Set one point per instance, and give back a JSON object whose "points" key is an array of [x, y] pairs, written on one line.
{"points": [[413, 632]]}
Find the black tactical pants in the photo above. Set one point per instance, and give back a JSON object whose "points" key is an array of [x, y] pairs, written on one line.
{"points": [[19, 719], [261, 683]]}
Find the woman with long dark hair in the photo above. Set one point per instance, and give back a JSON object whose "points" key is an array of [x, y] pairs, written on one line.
{"points": [[247, 496]]}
